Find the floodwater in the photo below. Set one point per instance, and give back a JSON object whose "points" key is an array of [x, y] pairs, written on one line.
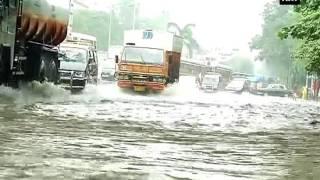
{"points": [[104, 133]]}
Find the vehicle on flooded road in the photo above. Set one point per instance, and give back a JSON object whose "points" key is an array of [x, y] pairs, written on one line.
{"points": [[30, 33], [238, 85], [211, 82], [78, 66], [150, 60], [275, 90], [108, 70]]}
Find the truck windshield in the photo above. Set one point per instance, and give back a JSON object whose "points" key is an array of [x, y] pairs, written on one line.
{"points": [[142, 55], [74, 55], [210, 79]]}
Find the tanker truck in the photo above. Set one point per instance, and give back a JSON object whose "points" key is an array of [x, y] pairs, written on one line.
{"points": [[30, 33], [150, 60]]}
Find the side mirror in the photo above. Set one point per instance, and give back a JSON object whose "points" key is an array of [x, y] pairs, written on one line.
{"points": [[117, 59]]}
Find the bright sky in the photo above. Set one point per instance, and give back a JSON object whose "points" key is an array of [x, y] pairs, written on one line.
{"points": [[219, 23]]}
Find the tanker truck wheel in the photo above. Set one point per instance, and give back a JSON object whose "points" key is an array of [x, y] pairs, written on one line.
{"points": [[52, 71], [42, 71], [4, 63]]}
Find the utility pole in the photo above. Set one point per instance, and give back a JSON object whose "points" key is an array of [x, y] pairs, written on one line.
{"points": [[134, 16], [110, 29]]}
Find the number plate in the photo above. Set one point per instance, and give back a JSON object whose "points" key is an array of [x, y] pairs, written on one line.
{"points": [[139, 88]]}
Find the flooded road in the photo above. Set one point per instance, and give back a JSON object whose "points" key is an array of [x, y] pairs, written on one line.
{"points": [[104, 133]]}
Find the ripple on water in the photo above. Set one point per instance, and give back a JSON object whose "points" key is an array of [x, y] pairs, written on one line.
{"points": [[104, 133]]}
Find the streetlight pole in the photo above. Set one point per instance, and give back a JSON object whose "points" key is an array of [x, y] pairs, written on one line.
{"points": [[110, 24], [134, 16]]}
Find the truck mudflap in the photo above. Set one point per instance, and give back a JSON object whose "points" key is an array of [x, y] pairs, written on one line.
{"points": [[155, 86]]}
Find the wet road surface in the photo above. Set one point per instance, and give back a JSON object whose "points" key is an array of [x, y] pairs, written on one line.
{"points": [[104, 133]]}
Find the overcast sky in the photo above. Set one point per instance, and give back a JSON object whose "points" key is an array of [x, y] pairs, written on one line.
{"points": [[219, 23]]}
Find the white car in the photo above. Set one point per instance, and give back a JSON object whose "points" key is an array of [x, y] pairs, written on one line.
{"points": [[108, 70], [211, 82], [238, 85]]}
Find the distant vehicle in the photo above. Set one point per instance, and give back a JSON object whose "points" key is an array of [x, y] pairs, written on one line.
{"points": [[275, 90], [108, 70], [211, 82], [238, 85], [78, 64]]}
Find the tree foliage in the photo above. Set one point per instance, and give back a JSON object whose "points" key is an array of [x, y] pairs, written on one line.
{"points": [[97, 23], [187, 34], [277, 53], [306, 29]]}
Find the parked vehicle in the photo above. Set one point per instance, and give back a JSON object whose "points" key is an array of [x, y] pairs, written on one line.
{"points": [[30, 32], [275, 90], [238, 85], [150, 60], [211, 82], [79, 64]]}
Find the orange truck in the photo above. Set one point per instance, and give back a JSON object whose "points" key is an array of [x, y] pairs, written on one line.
{"points": [[150, 60]]}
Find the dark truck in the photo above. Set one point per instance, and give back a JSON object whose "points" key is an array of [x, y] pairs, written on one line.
{"points": [[30, 32]]}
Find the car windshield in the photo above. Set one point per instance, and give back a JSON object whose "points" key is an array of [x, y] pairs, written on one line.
{"points": [[142, 55], [74, 55]]}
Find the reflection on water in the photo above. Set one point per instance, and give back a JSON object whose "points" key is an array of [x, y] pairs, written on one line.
{"points": [[105, 133]]}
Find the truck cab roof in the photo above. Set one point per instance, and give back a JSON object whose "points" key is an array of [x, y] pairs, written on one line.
{"points": [[79, 46]]}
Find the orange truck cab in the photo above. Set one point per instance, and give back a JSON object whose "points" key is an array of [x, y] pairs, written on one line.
{"points": [[149, 60]]}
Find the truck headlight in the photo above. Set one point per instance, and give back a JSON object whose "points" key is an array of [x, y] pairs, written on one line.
{"points": [[158, 79], [126, 77], [123, 77], [79, 74]]}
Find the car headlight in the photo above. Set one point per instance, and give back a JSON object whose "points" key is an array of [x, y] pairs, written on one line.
{"points": [[79, 74]]}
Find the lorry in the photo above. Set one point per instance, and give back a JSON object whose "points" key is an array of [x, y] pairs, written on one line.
{"points": [[30, 33], [150, 60], [78, 61]]}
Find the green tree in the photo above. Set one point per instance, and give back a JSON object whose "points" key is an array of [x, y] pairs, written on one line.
{"points": [[306, 29], [277, 53], [86, 21], [187, 34]]}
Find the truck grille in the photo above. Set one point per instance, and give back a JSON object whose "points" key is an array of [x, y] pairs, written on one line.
{"points": [[139, 79], [65, 74]]}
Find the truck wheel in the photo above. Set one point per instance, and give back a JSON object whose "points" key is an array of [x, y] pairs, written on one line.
{"points": [[42, 71], [4, 63], [52, 71]]}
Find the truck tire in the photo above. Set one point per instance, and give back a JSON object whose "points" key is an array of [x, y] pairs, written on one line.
{"points": [[41, 76], [51, 70], [4, 64]]}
